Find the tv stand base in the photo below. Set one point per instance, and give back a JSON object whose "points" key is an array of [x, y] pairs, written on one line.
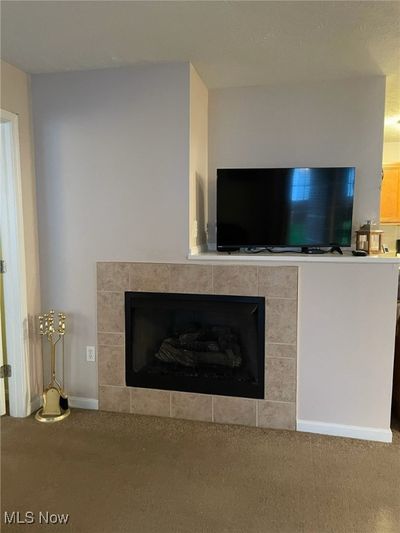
{"points": [[336, 249], [308, 250]]}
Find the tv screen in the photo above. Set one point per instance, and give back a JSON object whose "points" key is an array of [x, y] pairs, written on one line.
{"points": [[284, 207]]}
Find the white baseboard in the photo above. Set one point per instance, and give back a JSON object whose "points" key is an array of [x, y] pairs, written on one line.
{"points": [[83, 403], [73, 401], [342, 430]]}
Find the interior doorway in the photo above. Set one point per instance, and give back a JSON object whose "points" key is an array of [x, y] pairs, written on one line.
{"points": [[14, 304], [3, 350]]}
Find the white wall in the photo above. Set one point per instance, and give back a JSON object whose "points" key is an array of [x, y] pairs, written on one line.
{"points": [[346, 334], [391, 152], [335, 123], [346, 312], [16, 98], [112, 151], [198, 162]]}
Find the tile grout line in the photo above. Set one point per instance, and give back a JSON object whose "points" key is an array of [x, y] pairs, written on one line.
{"points": [[111, 346], [257, 413], [280, 357], [111, 332], [279, 298], [121, 291], [280, 401], [258, 280], [282, 343]]}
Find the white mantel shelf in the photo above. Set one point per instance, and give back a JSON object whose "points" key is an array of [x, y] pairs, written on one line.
{"points": [[295, 258]]}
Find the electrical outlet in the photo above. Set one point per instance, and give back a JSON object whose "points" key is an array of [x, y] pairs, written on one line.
{"points": [[90, 354]]}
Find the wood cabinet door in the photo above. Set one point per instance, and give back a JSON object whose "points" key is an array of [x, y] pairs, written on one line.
{"points": [[390, 194]]}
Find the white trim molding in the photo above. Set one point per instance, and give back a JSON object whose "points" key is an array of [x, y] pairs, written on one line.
{"points": [[83, 403], [14, 281], [73, 401], [342, 430], [293, 258]]}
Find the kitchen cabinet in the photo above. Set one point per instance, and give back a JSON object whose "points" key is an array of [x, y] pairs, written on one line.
{"points": [[396, 374], [390, 195]]}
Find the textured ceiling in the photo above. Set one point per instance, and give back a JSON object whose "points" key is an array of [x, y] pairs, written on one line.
{"points": [[230, 43]]}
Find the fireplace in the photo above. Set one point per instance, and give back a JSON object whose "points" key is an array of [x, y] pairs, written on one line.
{"points": [[195, 343]]}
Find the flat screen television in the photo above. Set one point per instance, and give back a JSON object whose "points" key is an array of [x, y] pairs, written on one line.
{"points": [[284, 207]]}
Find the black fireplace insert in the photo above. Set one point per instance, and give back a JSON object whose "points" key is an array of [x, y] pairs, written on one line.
{"points": [[195, 343]]}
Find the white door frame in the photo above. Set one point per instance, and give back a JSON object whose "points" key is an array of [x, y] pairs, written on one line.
{"points": [[14, 280], [2, 385]]}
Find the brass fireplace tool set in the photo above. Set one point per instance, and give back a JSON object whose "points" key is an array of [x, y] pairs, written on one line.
{"points": [[55, 400]]}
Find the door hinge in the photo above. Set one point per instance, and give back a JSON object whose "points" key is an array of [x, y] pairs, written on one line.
{"points": [[3, 268], [5, 371]]}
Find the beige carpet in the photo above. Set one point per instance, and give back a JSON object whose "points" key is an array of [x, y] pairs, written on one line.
{"points": [[123, 473]]}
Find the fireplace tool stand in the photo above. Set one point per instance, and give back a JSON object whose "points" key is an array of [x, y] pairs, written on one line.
{"points": [[55, 400]]}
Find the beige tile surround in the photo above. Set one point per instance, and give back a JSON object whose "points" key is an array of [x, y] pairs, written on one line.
{"points": [[278, 284]]}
